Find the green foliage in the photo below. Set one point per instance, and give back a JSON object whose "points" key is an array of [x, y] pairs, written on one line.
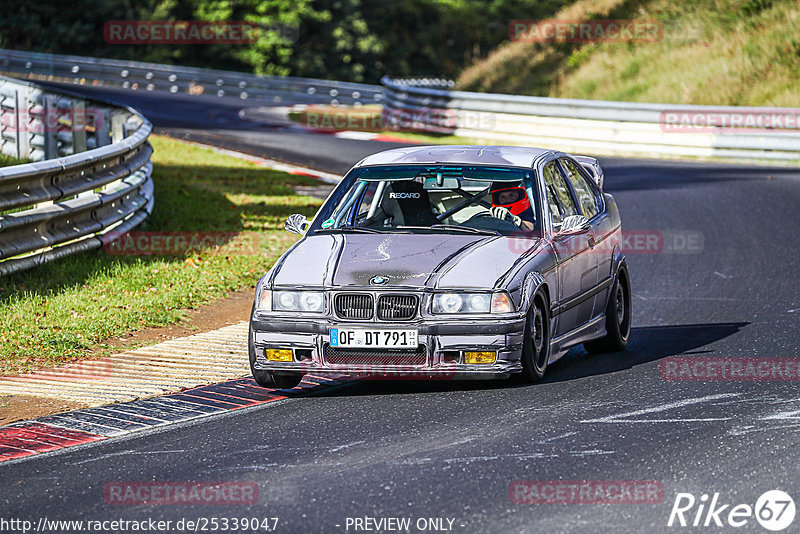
{"points": [[727, 52], [6, 161], [356, 40], [754, 7]]}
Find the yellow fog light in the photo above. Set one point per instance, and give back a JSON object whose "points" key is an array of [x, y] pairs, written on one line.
{"points": [[279, 355], [480, 357]]}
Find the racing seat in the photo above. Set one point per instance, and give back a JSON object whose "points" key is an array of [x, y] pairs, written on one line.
{"points": [[411, 210]]}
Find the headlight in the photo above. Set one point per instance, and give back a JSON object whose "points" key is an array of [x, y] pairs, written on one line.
{"points": [[448, 303], [311, 301], [472, 303], [298, 301]]}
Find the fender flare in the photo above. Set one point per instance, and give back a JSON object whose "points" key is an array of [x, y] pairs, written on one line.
{"points": [[530, 286], [617, 262]]}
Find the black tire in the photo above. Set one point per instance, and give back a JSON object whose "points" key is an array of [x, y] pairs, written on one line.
{"points": [[536, 344], [270, 379], [618, 318]]}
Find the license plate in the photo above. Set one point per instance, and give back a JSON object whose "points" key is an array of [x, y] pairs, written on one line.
{"points": [[378, 339]]}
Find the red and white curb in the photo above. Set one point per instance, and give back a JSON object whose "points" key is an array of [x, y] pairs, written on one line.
{"points": [[122, 391], [54, 432]]}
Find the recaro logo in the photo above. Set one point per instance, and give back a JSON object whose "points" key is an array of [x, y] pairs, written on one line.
{"points": [[403, 195]]}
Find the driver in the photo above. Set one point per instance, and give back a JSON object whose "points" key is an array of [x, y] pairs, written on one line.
{"points": [[510, 203]]}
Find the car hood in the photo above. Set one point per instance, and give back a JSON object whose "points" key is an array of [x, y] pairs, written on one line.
{"points": [[418, 260]]}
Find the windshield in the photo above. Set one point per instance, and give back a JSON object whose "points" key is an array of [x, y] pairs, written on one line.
{"points": [[423, 199]]}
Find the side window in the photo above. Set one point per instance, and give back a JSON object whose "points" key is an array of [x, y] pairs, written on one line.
{"points": [[558, 196], [586, 196]]}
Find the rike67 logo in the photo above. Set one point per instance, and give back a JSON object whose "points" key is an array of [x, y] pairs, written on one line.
{"points": [[774, 510]]}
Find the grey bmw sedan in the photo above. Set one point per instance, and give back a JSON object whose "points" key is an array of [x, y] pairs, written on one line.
{"points": [[447, 262]]}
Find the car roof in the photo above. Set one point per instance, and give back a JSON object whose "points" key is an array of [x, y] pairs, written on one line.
{"points": [[517, 156]]}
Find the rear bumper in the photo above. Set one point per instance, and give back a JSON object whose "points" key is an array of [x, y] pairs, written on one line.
{"points": [[444, 341]]}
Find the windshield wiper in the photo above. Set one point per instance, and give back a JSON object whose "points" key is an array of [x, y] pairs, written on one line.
{"points": [[466, 229], [353, 229], [455, 227]]}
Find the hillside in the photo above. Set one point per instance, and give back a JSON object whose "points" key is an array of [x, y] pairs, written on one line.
{"points": [[749, 51]]}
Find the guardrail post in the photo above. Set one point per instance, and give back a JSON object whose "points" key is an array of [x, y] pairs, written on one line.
{"points": [[23, 119], [78, 126], [117, 127], [50, 126], [17, 136], [102, 126]]}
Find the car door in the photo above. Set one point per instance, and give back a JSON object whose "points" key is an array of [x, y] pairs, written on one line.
{"points": [[576, 266], [590, 203]]}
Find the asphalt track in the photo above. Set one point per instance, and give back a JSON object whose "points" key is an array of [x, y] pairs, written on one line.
{"points": [[451, 449]]}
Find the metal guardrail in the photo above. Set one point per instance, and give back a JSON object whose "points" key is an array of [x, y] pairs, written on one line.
{"points": [[141, 76], [592, 126], [92, 170], [91, 173]]}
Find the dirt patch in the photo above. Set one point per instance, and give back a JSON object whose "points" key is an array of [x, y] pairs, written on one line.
{"points": [[23, 407], [230, 310]]}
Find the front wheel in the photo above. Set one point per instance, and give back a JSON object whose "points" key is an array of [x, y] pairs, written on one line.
{"points": [[272, 379], [618, 318], [536, 344]]}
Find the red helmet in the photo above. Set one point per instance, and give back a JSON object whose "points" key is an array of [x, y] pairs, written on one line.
{"points": [[516, 203]]}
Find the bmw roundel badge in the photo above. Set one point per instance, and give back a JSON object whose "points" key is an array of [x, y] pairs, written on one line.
{"points": [[378, 280]]}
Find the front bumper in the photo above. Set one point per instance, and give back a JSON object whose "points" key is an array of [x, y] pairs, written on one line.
{"points": [[444, 343]]}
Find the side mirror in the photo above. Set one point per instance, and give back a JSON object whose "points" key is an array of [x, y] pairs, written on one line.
{"points": [[296, 224], [592, 166], [574, 224]]}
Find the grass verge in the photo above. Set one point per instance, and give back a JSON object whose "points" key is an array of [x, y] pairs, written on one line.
{"points": [[7, 161], [725, 52], [61, 311]]}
